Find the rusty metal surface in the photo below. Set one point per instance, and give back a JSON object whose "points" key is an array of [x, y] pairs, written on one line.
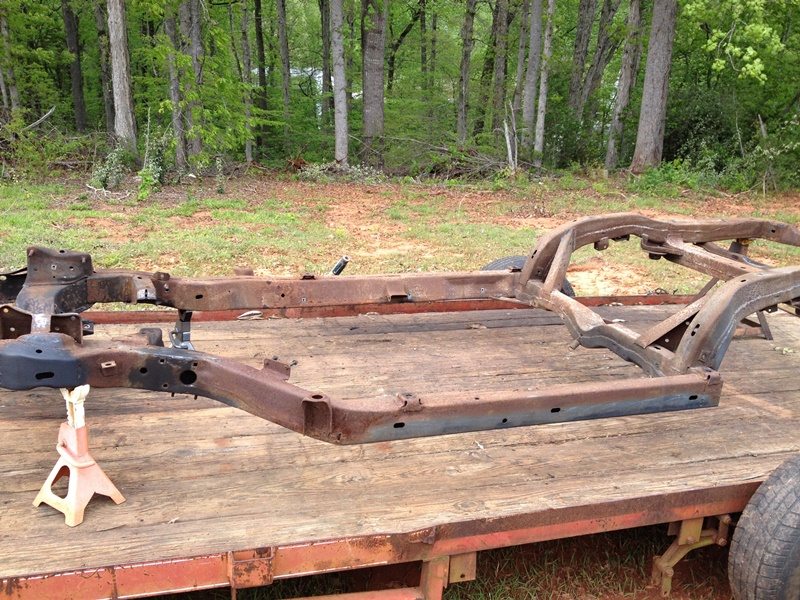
{"points": [[298, 559], [44, 338]]}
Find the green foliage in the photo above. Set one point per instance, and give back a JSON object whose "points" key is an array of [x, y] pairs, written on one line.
{"points": [[736, 64], [330, 172], [151, 176], [111, 171]]}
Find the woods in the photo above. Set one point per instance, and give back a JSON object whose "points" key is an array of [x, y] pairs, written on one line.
{"points": [[423, 87]]}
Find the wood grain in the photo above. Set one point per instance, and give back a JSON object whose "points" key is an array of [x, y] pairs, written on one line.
{"points": [[202, 477]]}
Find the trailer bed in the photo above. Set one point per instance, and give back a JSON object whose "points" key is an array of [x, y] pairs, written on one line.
{"points": [[210, 488]]}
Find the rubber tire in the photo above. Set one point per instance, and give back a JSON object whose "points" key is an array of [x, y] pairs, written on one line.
{"points": [[764, 561], [517, 262]]}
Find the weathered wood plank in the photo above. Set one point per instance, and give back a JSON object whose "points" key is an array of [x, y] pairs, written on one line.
{"points": [[202, 477]]}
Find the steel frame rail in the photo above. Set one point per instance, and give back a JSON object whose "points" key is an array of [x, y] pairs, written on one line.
{"points": [[43, 333]]}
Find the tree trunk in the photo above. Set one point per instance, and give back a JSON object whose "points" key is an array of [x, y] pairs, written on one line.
{"points": [[583, 34], [101, 22], [261, 61], [124, 120], [327, 87], [3, 90], [75, 72], [190, 17], [522, 51], [423, 42], [340, 126], [373, 39], [395, 46], [247, 67], [531, 75], [547, 54], [605, 49], [432, 65], [463, 79], [11, 80], [175, 94], [499, 70], [653, 113], [627, 77], [486, 75], [286, 72]]}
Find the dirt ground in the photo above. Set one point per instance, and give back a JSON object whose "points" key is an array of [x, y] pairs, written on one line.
{"points": [[286, 226]]}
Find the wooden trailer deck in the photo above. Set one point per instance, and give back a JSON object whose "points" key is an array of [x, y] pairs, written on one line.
{"points": [[217, 496]]}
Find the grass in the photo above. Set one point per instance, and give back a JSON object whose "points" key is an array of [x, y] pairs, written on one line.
{"points": [[285, 227]]}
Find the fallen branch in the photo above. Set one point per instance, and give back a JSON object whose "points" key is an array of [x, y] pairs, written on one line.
{"points": [[40, 120]]}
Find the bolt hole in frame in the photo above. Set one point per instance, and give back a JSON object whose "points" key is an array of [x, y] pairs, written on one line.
{"points": [[44, 340]]}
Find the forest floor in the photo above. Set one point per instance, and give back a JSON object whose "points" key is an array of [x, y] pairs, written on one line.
{"points": [[283, 226]]}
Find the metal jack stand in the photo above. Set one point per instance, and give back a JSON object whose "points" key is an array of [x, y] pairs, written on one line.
{"points": [[86, 478], [691, 535]]}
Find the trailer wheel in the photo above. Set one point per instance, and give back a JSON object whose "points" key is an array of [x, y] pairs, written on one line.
{"points": [[764, 561], [516, 263]]}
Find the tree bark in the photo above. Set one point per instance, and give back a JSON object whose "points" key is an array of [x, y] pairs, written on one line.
{"points": [[3, 90], [247, 68], [190, 17], [340, 126], [261, 61], [423, 42], [327, 86], [394, 46], [522, 51], [531, 75], [11, 80], [432, 65], [124, 120], [653, 113], [627, 77], [286, 72], [175, 93], [605, 49], [101, 22], [486, 75], [373, 39], [583, 34], [75, 72], [547, 54], [499, 69], [467, 42]]}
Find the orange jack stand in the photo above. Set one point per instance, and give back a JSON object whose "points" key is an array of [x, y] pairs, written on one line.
{"points": [[86, 478]]}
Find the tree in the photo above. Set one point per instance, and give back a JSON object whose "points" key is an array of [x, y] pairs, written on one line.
{"points": [[7, 64], [467, 41], [341, 129], [124, 120], [170, 29], [531, 74], [627, 77], [522, 52], [286, 71], [190, 20], [75, 72], [394, 45], [103, 51], [373, 44], [499, 69], [247, 77], [327, 86], [583, 34], [547, 55], [261, 62], [652, 116]]}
